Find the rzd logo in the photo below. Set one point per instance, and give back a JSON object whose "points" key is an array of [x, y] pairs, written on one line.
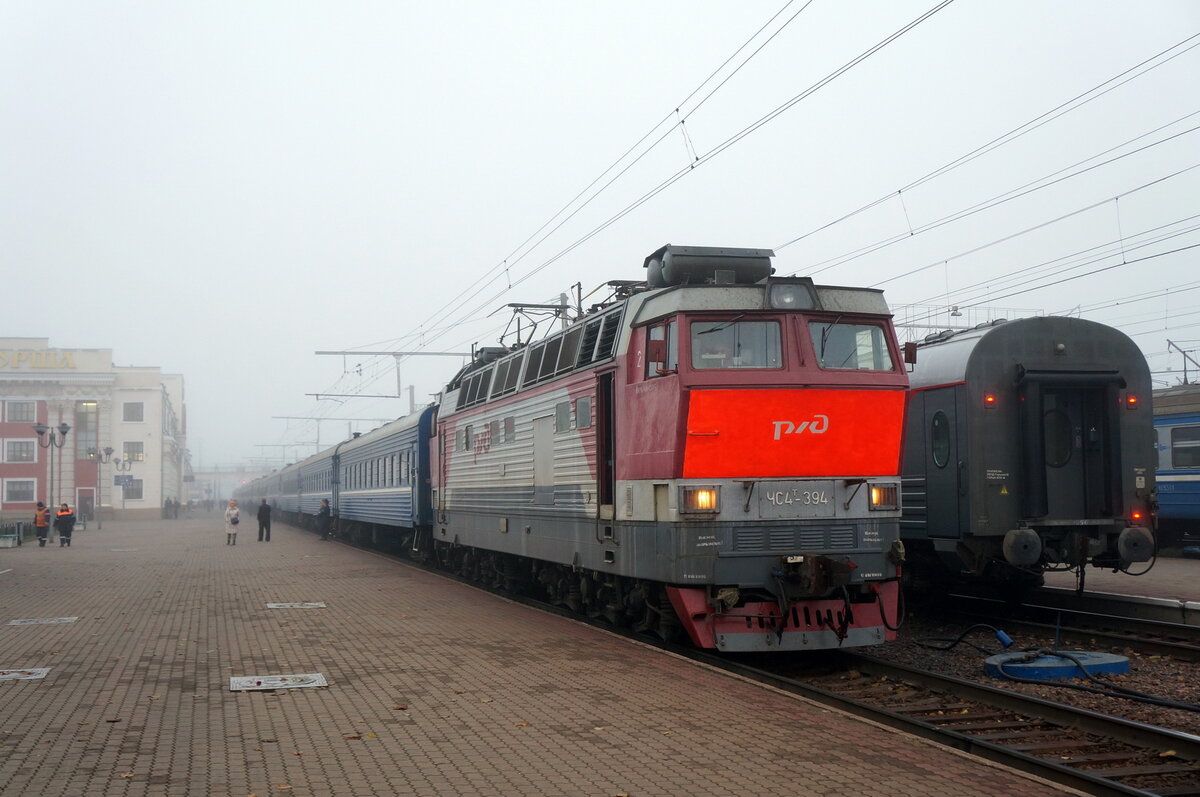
{"points": [[818, 425]]}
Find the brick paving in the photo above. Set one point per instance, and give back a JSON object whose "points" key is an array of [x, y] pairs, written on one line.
{"points": [[435, 688], [1170, 578]]}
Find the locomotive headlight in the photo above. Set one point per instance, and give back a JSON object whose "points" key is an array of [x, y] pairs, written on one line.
{"points": [[700, 499], [885, 496], [789, 296]]}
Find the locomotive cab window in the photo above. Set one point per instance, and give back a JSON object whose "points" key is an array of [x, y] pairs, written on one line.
{"points": [[855, 347], [662, 350], [736, 344]]}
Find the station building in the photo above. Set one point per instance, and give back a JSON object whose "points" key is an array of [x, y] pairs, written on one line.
{"points": [[125, 448]]}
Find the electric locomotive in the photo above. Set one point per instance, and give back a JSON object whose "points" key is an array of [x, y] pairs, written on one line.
{"points": [[1028, 446], [715, 450], [1177, 428]]}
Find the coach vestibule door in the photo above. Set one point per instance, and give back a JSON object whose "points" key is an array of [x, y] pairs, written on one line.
{"points": [[1074, 427], [944, 468]]}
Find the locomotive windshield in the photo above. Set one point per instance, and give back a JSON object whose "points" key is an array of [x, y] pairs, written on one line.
{"points": [[736, 344], [858, 347]]}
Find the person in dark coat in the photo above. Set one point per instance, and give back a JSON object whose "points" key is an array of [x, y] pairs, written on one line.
{"points": [[323, 519], [264, 521], [64, 524]]}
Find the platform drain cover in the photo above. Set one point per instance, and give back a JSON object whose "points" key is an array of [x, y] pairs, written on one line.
{"points": [[250, 683], [24, 675], [1047, 667], [43, 621], [296, 605]]}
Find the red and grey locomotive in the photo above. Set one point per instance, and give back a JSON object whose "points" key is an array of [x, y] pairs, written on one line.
{"points": [[716, 450]]}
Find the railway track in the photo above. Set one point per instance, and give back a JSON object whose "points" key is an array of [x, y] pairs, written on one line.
{"points": [[1151, 625], [1081, 749]]}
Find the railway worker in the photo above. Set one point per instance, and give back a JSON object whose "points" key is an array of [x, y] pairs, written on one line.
{"points": [[232, 518], [41, 523], [264, 521], [323, 519], [64, 524]]}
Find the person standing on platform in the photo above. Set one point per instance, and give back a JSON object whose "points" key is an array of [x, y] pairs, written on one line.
{"points": [[323, 519], [64, 524], [232, 518], [41, 523], [264, 520]]}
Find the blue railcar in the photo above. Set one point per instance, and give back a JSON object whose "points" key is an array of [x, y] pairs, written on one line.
{"points": [[381, 493], [1177, 434]]}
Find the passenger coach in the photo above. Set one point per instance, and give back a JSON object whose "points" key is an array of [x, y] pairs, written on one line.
{"points": [[1028, 447]]}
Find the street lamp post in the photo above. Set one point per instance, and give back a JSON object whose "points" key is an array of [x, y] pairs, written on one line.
{"points": [[123, 467], [100, 460], [47, 439]]}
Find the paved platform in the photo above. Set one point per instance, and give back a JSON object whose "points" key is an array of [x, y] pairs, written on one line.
{"points": [[1170, 578], [434, 688]]}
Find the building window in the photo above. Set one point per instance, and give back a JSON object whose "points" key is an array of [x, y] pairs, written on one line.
{"points": [[20, 411], [133, 411], [87, 424], [134, 491], [20, 451], [134, 452], [19, 490]]}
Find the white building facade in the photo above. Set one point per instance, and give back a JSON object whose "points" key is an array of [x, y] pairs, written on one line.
{"points": [[139, 413]]}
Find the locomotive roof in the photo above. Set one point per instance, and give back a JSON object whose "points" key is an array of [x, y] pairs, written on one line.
{"points": [[1041, 343]]}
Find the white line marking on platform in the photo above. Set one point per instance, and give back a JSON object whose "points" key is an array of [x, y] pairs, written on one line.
{"points": [[24, 675], [251, 683], [43, 621], [2, 572], [314, 605], [122, 550]]}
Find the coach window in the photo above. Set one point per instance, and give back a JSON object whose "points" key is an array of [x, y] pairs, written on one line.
{"points": [[662, 350], [510, 429], [1185, 447], [736, 344], [562, 416], [939, 439], [1060, 443], [854, 347]]}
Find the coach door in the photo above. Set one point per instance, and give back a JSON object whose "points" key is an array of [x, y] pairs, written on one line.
{"points": [[1076, 440], [944, 468]]}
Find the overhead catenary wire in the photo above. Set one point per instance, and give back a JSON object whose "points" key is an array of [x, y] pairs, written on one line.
{"points": [[1078, 101], [999, 199]]}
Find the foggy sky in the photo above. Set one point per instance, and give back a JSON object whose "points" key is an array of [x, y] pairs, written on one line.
{"points": [[222, 188]]}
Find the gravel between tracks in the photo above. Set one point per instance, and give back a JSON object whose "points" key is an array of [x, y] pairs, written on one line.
{"points": [[1159, 676]]}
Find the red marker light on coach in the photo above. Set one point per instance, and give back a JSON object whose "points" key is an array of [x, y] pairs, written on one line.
{"points": [[1131, 402], [1136, 515], [989, 399]]}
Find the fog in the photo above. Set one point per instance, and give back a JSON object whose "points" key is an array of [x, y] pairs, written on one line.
{"points": [[222, 189]]}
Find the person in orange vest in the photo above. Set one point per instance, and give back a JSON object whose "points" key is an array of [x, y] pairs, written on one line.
{"points": [[41, 523], [64, 524]]}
